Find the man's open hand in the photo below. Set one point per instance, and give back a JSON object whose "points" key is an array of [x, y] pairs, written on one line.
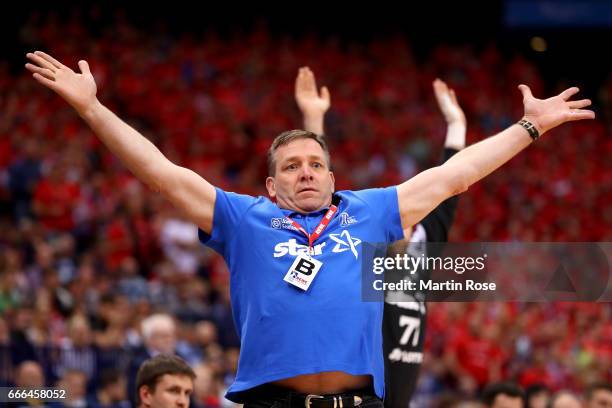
{"points": [[310, 101], [447, 102], [546, 114], [78, 89]]}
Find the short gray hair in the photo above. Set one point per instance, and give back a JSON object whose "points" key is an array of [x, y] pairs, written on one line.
{"points": [[154, 322]]}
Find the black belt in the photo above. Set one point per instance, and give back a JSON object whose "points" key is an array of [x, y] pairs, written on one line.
{"points": [[294, 399], [344, 400]]}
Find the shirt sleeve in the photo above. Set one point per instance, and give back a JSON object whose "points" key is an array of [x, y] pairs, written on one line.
{"points": [[230, 209], [384, 205], [438, 222]]}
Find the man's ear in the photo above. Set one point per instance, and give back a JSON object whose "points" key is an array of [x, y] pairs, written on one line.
{"points": [[333, 180], [271, 187], [145, 395]]}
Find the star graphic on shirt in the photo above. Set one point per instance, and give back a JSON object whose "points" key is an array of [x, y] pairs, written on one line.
{"points": [[345, 244]]}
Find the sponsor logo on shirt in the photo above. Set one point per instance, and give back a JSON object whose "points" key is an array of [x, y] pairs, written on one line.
{"points": [[346, 220], [410, 357], [281, 223], [344, 242], [292, 248]]}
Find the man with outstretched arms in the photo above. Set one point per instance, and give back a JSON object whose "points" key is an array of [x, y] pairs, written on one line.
{"points": [[295, 271]]}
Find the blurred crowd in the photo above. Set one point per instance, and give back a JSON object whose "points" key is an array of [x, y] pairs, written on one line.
{"points": [[97, 273]]}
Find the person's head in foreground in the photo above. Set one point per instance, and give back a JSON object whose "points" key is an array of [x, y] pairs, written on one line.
{"points": [[565, 399], [164, 381], [299, 172], [537, 396], [503, 395], [599, 395]]}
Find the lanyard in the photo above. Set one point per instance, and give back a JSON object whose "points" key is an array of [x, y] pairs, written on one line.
{"points": [[319, 230]]}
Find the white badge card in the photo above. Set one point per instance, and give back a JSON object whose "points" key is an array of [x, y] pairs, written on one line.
{"points": [[303, 271]]}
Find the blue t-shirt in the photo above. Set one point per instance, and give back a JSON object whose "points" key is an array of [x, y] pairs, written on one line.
{"points": [[285, 331]]}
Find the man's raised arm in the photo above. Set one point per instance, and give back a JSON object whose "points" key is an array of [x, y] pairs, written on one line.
{"points": [[456, 124], [312, 104], [419, 195], [184, 188], [438, 222]]}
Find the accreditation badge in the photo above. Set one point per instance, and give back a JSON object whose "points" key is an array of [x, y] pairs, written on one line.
{"points": [[303, 271]]}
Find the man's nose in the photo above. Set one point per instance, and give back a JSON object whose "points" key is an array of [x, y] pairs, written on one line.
{"points": [[306, 172], [183, 401]]}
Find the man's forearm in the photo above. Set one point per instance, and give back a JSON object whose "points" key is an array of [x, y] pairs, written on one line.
{"points": [[314, 124], [438, 222], [135, 151], [480, 159], [455, 136]]}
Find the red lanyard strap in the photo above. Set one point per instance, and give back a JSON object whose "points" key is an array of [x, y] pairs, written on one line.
{"points": [[320, 228]]}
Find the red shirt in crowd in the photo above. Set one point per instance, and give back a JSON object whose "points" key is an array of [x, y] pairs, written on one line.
{"points": [[57, 200]]}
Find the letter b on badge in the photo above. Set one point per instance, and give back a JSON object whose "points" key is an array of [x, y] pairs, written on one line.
{"points": [[305, 266], [303, 271]]}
